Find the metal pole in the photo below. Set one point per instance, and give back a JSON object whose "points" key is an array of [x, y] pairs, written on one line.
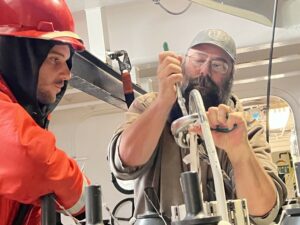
{"points": [[93, 205], [48, 210]]}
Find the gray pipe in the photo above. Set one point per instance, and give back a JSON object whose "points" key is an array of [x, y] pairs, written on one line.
{"points": [[93, 205]]}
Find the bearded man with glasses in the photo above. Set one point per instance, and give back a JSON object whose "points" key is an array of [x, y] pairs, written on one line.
{"points": [[144, 149]]}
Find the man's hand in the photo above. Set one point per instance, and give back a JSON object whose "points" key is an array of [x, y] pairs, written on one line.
{"points": [[169, 73], [248, 173], [232, 141], [140, 138]]}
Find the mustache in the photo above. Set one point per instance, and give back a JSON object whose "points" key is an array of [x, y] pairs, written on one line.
{"points": [[204, 84]]}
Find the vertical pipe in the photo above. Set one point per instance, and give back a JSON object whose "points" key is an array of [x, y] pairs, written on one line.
{"points": [[48, 210], [93, 205], [191, 193], [197, 101]]}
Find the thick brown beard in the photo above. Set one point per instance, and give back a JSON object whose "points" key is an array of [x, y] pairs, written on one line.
{"points": [[211, 93]]}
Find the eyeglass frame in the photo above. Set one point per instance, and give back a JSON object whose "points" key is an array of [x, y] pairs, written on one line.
{"points": [[221, 59]]}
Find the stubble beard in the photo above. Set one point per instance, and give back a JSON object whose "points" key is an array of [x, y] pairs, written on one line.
{"points": [[45, 97]]}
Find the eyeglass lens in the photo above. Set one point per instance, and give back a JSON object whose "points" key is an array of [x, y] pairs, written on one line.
{"points": [[218, 65]]}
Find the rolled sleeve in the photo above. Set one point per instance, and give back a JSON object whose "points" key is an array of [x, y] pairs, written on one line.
{"points": [[269, 217], [117, 167], [262, 152]]}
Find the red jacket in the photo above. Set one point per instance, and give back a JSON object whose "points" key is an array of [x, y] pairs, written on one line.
{"points": [[31, 165]]}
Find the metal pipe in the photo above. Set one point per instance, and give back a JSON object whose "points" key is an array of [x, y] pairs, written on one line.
{"points": [[196, 104], [93, 205], [48, 210]]}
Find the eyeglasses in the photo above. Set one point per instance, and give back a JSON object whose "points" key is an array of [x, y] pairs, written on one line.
{"points": [[217, 65]]}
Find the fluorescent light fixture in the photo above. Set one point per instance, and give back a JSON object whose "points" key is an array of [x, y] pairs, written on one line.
{"points": [[260, 11], [244, 11]]}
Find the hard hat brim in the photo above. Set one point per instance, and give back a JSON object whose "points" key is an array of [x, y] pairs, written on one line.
{"points": [[66, 37]]}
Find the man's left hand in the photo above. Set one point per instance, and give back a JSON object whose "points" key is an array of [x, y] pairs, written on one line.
{"points": [[234, 140]]}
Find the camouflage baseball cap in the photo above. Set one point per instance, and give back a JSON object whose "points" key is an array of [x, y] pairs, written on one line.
{"points": [[216, 37]]}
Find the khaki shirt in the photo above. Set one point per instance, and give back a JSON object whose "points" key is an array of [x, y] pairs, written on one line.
{"points": [[162, 171]]}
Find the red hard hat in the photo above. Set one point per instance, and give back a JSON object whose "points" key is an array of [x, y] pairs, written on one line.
{"points": [[42, 19]]}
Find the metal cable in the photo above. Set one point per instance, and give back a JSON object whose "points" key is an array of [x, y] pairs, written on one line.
{"points": [[270, 71], [170, 12]]}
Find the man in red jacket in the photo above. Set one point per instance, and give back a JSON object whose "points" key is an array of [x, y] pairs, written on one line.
{"points": [[37, 42]]}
